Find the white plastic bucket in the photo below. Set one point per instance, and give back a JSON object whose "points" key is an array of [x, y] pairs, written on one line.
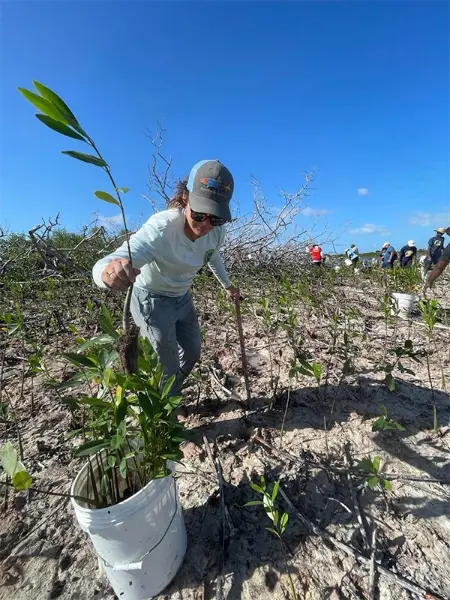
{"points": [[140, 542], [405, 304], [348, 262]]}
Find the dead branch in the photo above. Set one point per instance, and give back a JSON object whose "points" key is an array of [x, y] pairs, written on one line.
{"points": [[361, 522], [340, 471], [160, 179], [53, 258], [373, 565], [216, 465], [398, 579]]}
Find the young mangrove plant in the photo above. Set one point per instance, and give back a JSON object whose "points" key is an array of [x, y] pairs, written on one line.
{"points": [[429, 310], [372, 471], [279, 520], [401, 352], [384, 423], [132, 431]]}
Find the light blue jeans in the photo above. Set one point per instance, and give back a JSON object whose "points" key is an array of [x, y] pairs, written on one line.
{"points": [[171, 325]]}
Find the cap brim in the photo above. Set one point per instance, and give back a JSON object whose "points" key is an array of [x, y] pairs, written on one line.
{"points": [[206, 205]]}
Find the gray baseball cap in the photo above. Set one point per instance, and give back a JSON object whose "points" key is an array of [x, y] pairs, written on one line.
{"points": [[210, 188]]}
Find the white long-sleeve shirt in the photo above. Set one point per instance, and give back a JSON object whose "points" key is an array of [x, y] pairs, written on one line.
{"points": [[168, 259]]}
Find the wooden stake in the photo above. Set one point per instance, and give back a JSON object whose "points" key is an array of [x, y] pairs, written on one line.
{"points": [[241, 341]]}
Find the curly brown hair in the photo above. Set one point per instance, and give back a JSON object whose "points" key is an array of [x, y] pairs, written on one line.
{"points": [[181, 195]]}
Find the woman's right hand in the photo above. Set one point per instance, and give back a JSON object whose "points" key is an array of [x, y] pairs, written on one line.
{"points": [[119, 274]]}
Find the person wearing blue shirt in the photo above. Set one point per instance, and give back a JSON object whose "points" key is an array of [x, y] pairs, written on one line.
{"points": [[434, 251], [389, 256], [353, 254]]}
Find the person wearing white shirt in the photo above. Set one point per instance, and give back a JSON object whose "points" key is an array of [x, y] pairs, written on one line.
{"points": [[167, 252]]}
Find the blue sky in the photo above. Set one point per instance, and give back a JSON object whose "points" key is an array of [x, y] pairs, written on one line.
{"points": [[359, 90]]}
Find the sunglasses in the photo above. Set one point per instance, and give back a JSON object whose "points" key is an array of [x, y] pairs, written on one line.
{"points": [[200, 217]]}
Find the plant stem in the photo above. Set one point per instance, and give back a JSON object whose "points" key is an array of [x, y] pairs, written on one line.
{"points": [[39, 491], [284, 416], [291, 583]]}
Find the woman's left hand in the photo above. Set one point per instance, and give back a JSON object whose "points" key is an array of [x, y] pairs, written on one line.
{"points": [[234, 293]]}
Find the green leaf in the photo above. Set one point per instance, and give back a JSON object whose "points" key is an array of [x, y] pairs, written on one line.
{"points": [[123, 190], [92, 447], [59, 127], [168, 386], [399, 426], [318, 371], [263, 482], [253, 503], [107, 197], [22, 481], [387, 485], [123, 467], [107, 327], [372, 482], [97, 340], [111, 461], [275, 491], [87, 158], [117, 441], [44, 106], [93, 402], [9, 458], [256, 487], [379, 424], [366, 465], [57, 102], [284, 521], [121, 412], [146, 404], [275, 533], [376, 463], [79, 360], [390, 382]]}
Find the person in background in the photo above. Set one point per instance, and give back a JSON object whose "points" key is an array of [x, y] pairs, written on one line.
{"points": [[434, 251], [316, 255], [389, 256], [167, 252], [381, 255], [440, 267], [353, 254], [408, 254]]}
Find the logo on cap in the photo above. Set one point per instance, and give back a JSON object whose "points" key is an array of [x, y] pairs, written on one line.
{"points": [[215, 185]]}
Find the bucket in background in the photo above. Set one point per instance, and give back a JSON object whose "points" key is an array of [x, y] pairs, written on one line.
{"points": [[140, 542], [348, 262], [405, 304]]}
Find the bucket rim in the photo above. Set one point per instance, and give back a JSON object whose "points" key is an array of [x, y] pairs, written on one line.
{"points": [[123, 503]]}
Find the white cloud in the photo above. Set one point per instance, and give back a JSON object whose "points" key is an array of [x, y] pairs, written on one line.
{"points": [[430, 219], [363, 191], [109, 223], [309, 211], [370, 228]]}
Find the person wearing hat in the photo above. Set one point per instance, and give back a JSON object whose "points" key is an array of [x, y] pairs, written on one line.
{"points": [[440, 267], [388, 256], [408, 254], [434, 251], [353, 254], [167, 252]]}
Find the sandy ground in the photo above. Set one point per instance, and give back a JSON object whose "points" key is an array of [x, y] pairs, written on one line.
{"points": [[44, 554]]}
